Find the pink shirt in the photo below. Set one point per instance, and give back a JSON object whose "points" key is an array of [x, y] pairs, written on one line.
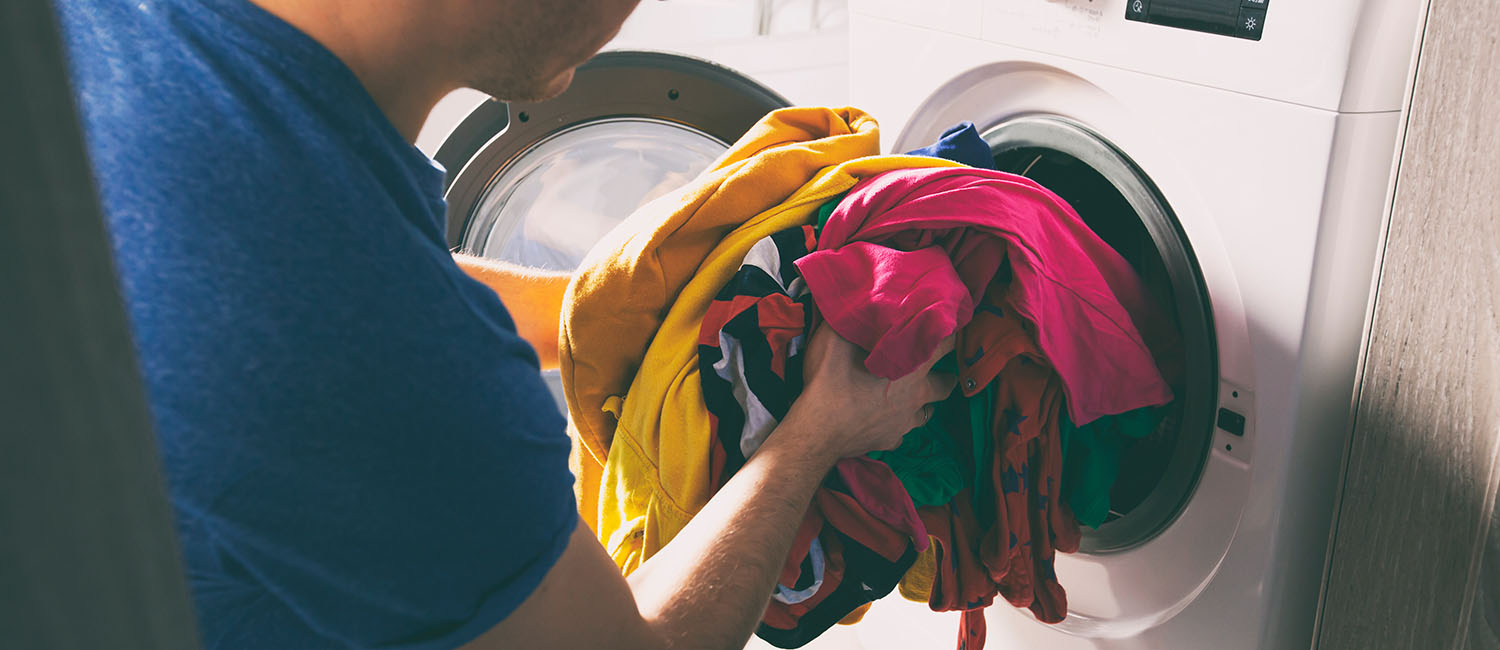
{"points": [[889, 296]]}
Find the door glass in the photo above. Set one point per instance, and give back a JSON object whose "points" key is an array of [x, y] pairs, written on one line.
{"points": [[556, 199]]}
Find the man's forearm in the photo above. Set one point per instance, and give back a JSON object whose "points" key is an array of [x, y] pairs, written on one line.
{"points": [[709, 586], [532, 296]]}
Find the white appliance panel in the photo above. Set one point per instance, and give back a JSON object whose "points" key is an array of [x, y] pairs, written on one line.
{"points": [[1340, 55], [1283, 205]]}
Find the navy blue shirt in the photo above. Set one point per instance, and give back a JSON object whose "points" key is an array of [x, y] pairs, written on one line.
{"points": [[960, 143], [359, 449]]}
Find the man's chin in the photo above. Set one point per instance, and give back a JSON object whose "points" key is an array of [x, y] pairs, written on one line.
{"points": [[539, 91], [558, 84]]}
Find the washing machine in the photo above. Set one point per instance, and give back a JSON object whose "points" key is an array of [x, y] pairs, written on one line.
{"points": [[1239, 155]]}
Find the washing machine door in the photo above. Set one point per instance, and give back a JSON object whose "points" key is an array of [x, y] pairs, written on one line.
{"points": [[1158, 473], [538, 184]]}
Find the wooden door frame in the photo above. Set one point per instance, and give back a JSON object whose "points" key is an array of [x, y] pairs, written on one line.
{"points": [[1420, 476]]}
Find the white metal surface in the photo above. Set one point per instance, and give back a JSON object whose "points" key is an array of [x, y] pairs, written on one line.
{"points": [[804, 53], [1276, 157], [1346, 55]]}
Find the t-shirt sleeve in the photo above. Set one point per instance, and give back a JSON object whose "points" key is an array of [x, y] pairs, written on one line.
{"points": [[385, 460]]}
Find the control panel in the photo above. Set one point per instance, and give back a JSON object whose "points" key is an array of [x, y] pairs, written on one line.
{"points": [[1240, 18]]}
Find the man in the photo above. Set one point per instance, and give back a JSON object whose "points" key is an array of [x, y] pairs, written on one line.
{"points": [[349, 422]]}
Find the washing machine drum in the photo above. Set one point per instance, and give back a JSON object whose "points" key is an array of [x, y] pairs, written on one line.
{"points": [[1120, 203], [538, 184]]}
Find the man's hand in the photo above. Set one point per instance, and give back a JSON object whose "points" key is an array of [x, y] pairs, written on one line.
{"points": [[860, 412], [708, 588]]}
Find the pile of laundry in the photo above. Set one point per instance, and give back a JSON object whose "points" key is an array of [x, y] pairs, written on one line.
{"points": [[684, 330]]}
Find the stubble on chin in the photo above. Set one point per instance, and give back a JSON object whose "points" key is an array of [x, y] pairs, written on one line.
{"points": [[520, 83], [532, 58]]}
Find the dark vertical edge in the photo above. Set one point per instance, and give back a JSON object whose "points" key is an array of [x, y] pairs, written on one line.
{"points": [[88, 554], [1484, 612]]}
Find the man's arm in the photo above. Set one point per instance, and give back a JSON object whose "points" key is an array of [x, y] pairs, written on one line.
{"points": [[709, 586], [532, 296]]}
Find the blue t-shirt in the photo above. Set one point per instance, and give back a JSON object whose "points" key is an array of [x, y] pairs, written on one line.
{"points": [[359, 449]]}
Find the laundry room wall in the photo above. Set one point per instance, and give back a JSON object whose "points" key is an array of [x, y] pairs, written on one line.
{"points": [[1416, 552], [799, 48]]}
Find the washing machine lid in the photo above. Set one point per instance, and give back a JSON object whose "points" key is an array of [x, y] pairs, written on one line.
{"points": [[539, 183]]}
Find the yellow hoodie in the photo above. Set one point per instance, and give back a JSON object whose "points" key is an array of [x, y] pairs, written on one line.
{"points": [[634, 395]]}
